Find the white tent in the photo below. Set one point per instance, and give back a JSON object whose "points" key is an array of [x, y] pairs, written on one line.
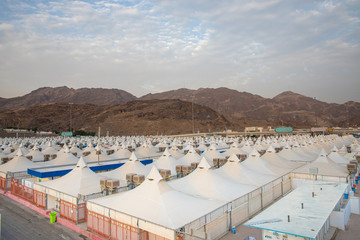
{"points": [[155, 203], [18, 164], [212, 153], [175, 152], [167, 162], [190, 157], [238, 173], [133, 165], [325, 166], [35, 155], [337, 158], [63, 159], [50, 149], [289, 154], [234, 148], [273, 158], [206, 183], [255, 163], [81, 180], [146, 151], [122, 153]]}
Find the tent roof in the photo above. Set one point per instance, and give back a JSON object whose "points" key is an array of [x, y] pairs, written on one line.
{"points": [[206, 183], [80, 180], [155, 201]]}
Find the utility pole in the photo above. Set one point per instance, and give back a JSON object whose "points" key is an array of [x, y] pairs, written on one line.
{"points": [[70, 116], [192, 115]]}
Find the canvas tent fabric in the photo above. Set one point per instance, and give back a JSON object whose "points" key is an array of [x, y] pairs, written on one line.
{"points": [[164, 206], [63, 159], [236, 172], [81, 180], [325, 166], [190, 157], [255, 163], [273, 158], [204, 182], [132, 165], [18, 164]]}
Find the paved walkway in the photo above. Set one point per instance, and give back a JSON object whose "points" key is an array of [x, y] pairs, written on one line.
{"points": [[21, 223]]}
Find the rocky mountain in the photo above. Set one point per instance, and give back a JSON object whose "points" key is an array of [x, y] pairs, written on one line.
{"points": [[135, 117], [287, 108], [242, 108], [98, 96]]}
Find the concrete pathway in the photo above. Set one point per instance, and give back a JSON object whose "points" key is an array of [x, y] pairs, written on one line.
{"points": [[21, 223]]}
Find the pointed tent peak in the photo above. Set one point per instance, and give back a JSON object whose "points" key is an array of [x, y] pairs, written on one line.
{"points": [[191, 149], [204, 164], [254, 153], [174, 147], [334, 149], [166, 153], [66, 149], [233, 158], [287, 146], [212, 147], [20, 152], [343, 148], [271, 149], [234, 145], [154, 175], [81, 163], [133, 157], [97, 148], [322, 153]]}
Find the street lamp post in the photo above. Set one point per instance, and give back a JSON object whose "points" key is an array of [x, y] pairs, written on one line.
{"points": [[70, 116]]}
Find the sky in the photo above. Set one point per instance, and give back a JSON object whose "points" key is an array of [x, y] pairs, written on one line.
{"points": [[263, 47]]}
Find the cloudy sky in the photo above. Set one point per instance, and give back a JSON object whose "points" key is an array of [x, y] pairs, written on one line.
{"points": [[263, 47]]}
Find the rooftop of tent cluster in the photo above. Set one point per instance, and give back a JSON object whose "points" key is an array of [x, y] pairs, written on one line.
{"points": [[287, 216], [57, 171]]}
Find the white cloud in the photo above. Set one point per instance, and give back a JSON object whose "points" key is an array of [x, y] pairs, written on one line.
{"points": [[264, 47]]}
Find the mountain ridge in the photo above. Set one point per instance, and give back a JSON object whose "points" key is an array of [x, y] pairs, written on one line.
{"points": [[289, 107]]}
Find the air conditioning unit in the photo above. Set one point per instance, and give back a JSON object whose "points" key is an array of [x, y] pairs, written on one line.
{"points": [[138, 178], [162, 149], [242, 156], [85, 153], [53, 156], [111, 151], [47, 157], [178, 168], [29, 157], [103, 182], [129, 177], [216, 161], [186, 169], [222, 161], [165, 173], [194, 165], [112, 183]]}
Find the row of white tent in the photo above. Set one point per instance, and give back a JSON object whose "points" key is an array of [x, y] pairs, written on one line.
{"points": [[165, 206]]}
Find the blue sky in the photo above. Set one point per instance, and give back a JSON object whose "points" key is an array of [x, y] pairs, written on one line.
{"points": [[262, 47]]}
